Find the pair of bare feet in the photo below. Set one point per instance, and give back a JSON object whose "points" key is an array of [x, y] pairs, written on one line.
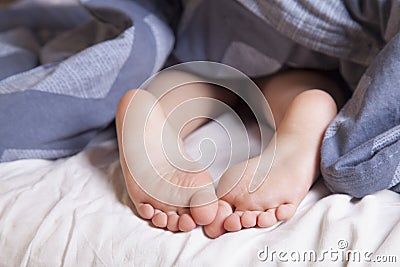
{"points": [[302, 114]]}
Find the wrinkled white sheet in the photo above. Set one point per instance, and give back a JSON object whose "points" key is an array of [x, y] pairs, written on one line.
{"points": [[76, 212]]}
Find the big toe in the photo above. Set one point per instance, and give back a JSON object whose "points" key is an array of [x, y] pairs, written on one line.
{"points": [[204, 207], [216, 227]]}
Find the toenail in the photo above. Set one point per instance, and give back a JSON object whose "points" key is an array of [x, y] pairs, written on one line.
{"points": [[239, 213], [156, 211]]}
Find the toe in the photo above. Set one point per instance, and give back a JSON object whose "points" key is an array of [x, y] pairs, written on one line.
{"points": [[285, 212], [232, 223], [204, 207], [172, 223], [160, 219], [146, 211], [266, 218], [186, 223], [216, 228], [249, 219]]}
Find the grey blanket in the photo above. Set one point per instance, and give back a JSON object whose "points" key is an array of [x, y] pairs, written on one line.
{"points": [[64, 67], [63, 75]]}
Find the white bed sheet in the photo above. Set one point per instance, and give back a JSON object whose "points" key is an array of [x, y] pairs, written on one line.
{"points": [[76, 212]]}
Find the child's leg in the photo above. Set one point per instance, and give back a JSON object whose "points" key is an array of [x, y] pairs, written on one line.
{"points": [[161, 214], [301, 117]]}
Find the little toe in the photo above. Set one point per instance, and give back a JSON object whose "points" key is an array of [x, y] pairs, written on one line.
{"points": [[203, 214], [249, 218], [186, 223], [266, 219], [146, 211], [172, 223], [285, 212], [232, 223], [216, 228], [160, 219]]}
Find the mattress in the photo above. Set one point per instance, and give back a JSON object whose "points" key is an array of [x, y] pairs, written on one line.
{"points": [[75, 211]]}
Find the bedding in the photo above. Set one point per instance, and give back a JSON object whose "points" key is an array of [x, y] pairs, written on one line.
{"points": [[76, 212], [64, 67], [62, 75]]}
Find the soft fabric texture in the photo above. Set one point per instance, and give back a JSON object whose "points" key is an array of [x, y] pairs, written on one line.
{"points": [[76, 212], [361, 149], [64, 67], [64, 72]]}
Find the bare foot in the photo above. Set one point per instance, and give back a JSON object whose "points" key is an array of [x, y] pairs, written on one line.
{"points": [[171, 198], [275, 200], [293, 171]]}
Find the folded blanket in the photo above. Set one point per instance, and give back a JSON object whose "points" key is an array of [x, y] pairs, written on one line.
{"points": [[63, 69]]}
